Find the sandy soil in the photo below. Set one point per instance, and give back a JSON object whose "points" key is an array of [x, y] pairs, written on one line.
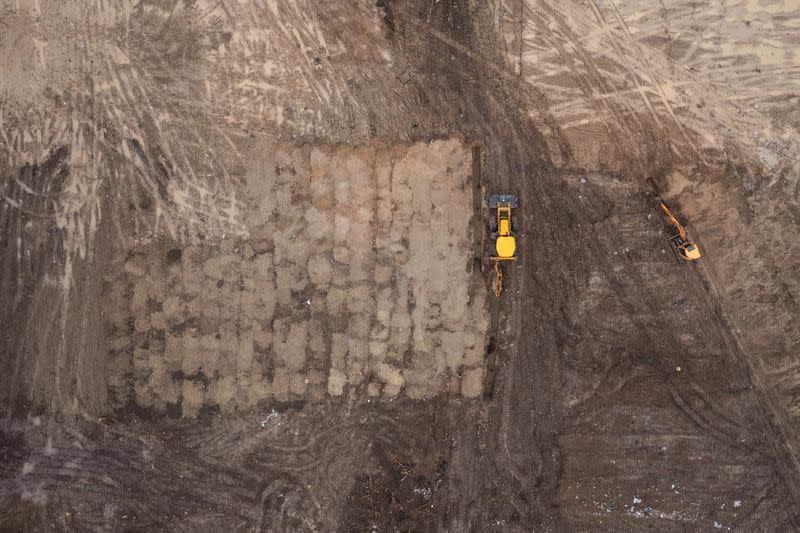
{"points": [[342, 281], [244, 286]]}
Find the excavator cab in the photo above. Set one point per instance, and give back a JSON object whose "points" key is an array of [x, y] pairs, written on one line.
{"points": [[504, 241], [684, 246], [690, 251]]}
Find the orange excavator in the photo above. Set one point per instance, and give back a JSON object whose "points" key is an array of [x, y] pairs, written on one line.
{"points": [[682, 244]]}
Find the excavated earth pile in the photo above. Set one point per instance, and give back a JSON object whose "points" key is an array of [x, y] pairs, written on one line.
{"points": [[243, 275]]}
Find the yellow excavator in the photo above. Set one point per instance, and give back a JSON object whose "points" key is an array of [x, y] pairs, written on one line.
{"points": [[683, 245], [504, 241]]}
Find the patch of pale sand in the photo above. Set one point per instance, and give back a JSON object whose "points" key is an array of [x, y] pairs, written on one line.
{"points": [[289, 342], [320, 271], [355, 274], [472, 382], [191, 398], [676, 183]]}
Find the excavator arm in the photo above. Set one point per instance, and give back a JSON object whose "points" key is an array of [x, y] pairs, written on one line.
{"points": [[673, 220]]}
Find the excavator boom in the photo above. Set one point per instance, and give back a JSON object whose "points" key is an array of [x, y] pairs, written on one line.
{"points": [[673, 220]]}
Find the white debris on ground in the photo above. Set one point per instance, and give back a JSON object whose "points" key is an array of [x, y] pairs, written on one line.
{"points": [[425, 492], [270, 416]]}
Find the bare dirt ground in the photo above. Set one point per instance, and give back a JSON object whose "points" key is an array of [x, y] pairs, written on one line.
{"points": [[244, 286]]}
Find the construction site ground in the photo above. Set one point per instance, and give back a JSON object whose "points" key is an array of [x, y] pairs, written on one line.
{"points": [[244, 282]]}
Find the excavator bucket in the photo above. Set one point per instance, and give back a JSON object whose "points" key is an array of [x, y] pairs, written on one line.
{"points": [[504, 200]]}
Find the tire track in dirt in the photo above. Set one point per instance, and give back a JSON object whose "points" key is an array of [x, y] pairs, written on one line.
{"points": [[633, 272], [499, 168], [684, 391], [588, 81], [649, 70]]}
